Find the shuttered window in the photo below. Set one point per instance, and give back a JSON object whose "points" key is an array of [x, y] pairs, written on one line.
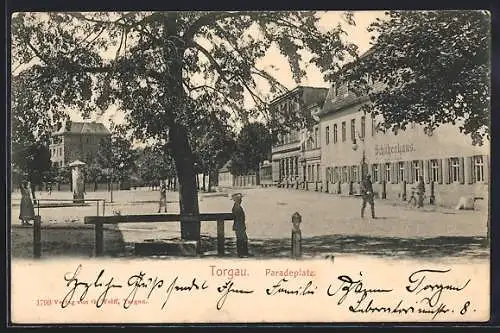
{"points": [[454, 170], [401, 171], [434, 170], [388, 172], [478, 169], [375, 174]]}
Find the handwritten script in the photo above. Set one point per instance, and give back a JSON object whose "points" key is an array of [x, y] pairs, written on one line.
{"points": [[425, 291]]}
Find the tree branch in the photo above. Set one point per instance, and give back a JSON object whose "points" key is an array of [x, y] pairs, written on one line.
{"points": [[213, 62], [210, 18]]}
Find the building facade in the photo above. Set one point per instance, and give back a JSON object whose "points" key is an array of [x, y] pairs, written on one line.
{"points": [[286, 169], [445, 159], [77, 141]]}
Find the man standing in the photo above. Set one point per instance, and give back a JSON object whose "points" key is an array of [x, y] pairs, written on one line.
{"points": [[367, 195], [163, 196], [239, 226]]}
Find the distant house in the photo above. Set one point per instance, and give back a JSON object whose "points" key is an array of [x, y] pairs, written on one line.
{"points": [[225, 176], [77, 141]]}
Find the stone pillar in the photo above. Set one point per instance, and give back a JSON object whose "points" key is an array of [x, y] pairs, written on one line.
{"points": [[78, 181]]}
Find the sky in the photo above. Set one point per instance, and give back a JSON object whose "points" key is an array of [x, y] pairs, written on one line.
{"points": [[277, 65]]}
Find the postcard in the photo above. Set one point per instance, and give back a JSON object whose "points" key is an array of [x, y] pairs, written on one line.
{"points": [[250, 167]]}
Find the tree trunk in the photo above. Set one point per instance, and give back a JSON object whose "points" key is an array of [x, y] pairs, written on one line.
{"points": [[204, 183], [209, 180], [188, 195], [178, 134]]}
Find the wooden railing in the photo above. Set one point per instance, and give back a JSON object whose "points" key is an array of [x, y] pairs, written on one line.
{"points": [[99, 221]]}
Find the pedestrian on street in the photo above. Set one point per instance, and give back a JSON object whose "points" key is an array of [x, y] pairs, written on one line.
{"points": [[163, 197], [367, 195], [421, 192], [27, 212], [239, 226]]}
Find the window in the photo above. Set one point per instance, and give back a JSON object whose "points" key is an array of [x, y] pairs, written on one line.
{"points": [[417, 173], [401, 171], [355, 173], [327, 134], [312, 173], [388, 172], [334, 133], [345, 176], [343, 131], [375, 172], [454, 169], [353, 130], [434, 170], [308, 173], [478, 169], [60, 151], [363, 125]]}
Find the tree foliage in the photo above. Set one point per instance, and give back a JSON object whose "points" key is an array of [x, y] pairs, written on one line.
{"points": [[253, 146], [432, 67], [165, 69], [154, 164], [213, 141], [116, 155]]}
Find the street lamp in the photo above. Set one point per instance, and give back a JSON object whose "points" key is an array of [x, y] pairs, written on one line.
{"points": [[108, 173], [363, 158]]}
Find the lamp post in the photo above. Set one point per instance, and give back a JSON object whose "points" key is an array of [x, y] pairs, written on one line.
{"points": [[363, 158], [108, 173]]}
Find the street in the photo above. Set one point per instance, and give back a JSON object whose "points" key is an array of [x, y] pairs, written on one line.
{"points": [[329, 222]]}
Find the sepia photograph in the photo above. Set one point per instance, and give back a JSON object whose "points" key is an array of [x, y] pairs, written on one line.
{"points": [[250, 166]]}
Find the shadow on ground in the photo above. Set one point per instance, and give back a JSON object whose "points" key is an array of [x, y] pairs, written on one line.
{"points": [[78, 241]]}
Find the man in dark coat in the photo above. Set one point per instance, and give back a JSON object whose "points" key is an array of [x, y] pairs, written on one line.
{"points": [[367, 195], [239, 226]]}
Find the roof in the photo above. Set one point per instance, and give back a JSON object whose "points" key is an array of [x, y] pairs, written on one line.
{"points": [[226, 166], [83, 128], [290, 92], [332, 105]]}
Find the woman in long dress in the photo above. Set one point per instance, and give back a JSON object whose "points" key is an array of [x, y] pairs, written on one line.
{"points": [[27, 209]]}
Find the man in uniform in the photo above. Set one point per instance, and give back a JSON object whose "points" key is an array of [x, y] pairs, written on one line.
{"points": [[239, 226], [367, 195]]}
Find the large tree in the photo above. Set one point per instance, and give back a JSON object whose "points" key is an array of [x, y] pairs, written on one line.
{"points": [[213, 144], [163, 68], [154, 163], [434, 68], [117, 156], [253, 146], [31, 129]]}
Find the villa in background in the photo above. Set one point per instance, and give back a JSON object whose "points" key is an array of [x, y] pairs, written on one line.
{"points": [[289, 158], [76, 141]]}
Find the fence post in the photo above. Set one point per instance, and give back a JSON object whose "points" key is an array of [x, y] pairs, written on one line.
{"points": [[99, 240], [296, 235], [220, 237], [37, 237]]}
